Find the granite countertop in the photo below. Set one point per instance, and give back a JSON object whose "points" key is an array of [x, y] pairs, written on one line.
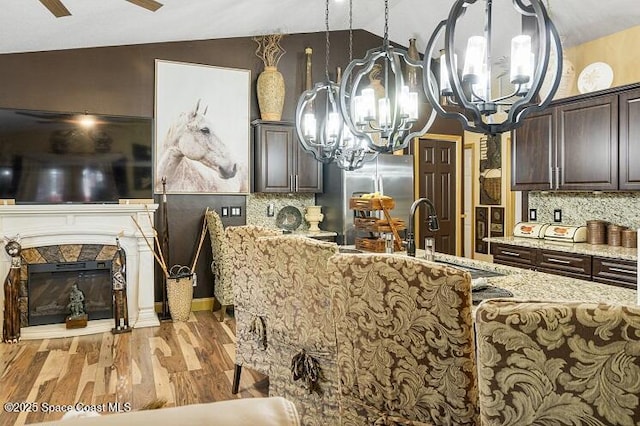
{"points": [[526, 284], [601, 250], [314, 234]]}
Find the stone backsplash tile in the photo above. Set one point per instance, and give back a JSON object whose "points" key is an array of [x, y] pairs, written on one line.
{"points": [[620, 208], [257, 207]]}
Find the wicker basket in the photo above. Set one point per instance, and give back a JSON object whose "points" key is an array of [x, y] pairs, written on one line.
{"points": [[179, 296], [378, 203]]}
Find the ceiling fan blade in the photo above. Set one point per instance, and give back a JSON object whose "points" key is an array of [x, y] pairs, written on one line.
{"points": [[56, 7], [151, 5]]}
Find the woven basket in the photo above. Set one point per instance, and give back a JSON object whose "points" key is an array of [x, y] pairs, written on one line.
{"points": [[179, 296]]}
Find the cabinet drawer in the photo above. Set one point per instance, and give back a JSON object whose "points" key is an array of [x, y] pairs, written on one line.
{"points": [[521, 257], [567, 264], [616, 272]]}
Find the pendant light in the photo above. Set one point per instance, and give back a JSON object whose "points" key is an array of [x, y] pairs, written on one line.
{"points": [[471, 89], [323, 133], [385, 119]]}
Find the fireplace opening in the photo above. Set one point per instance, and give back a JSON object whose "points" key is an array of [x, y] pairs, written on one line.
{"points": [[50, 284]]}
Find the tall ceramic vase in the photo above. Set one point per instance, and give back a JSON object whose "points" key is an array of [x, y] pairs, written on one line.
{"points": [[270, 88]]}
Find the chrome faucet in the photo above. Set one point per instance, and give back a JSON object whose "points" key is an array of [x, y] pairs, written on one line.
{"points": [[432, 223]]}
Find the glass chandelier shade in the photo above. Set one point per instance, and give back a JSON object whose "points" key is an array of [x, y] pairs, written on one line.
{"points": [[471, 88], [322, 131]]}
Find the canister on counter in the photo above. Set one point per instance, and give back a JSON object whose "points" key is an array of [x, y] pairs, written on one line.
{"points": [[614, 235], [629, 238], [596, 232]]}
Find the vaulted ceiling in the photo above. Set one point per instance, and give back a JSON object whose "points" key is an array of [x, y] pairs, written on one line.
{"points": [[26, 25]]}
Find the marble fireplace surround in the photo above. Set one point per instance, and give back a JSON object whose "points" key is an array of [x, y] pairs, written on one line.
{"points": [[68, 224]]}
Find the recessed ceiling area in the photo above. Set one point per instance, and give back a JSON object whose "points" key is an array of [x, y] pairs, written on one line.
{"points": [[27, 25]]}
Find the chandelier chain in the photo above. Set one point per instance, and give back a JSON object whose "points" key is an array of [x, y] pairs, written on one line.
{"points": [[328, 44], [350, 30], [386, 23]]}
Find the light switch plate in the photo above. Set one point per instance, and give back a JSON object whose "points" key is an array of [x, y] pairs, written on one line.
{"points": [[236, 211], [557, 215], [271, 210], [533, 215], [224, 211]]}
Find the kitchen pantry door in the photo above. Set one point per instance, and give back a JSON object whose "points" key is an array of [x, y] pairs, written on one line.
{"points": [[438, 166]]}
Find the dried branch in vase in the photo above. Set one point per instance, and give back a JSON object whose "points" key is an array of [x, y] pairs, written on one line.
{"points": [[269, 49]]}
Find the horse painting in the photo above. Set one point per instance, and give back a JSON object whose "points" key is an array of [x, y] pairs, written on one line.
{"points": [[194, 159]]}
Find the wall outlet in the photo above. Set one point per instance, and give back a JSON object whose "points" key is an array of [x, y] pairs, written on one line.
{"points": [[236, 211], [224, 211], [533, 215], [557, 215], [271, 210]]}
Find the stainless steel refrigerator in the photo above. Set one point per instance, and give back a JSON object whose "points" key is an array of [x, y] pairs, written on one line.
{"points": [[389, 174]]}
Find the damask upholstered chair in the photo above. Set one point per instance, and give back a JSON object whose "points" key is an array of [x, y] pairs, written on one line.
{"points": [[560, 363], [248, 298], [301, 336], [405, 341], [220, 266]]}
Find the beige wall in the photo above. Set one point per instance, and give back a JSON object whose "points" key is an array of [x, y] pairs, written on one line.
{"points": [[619, 50]]}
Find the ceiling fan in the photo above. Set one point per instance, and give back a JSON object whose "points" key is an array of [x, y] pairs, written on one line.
{"points": [[58, 9]]}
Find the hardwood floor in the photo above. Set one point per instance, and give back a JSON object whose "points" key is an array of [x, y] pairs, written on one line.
{"points": [[183, 363]]}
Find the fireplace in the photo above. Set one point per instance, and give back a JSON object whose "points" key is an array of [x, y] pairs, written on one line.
{"points": [[68, 233], [49, 286]]}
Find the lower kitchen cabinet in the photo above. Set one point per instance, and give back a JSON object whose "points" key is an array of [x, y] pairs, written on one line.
{"points": [[585, 267], [616, 272]]}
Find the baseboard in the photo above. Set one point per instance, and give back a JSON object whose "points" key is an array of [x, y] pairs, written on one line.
{"points": [[200, 304]]}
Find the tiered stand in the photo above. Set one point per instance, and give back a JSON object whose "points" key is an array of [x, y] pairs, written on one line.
{"points": [[376, 227]]}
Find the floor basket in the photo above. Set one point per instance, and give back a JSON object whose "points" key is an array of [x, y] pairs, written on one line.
{"points": [[179, 295]]}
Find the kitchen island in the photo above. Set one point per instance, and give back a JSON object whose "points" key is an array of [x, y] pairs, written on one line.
{"points": [[533, 285]]}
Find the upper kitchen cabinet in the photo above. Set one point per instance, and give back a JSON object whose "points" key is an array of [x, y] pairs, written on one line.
{"points": [[533, 153], [585, 143], [630, 140], [281, 165]]}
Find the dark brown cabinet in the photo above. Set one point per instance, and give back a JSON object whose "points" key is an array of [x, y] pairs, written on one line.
{"points": [[281, 165], [587, 143], [581, 266], [629, 140]]}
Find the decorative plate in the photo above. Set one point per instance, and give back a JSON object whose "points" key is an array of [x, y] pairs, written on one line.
{"points": [[595, 76], [289, 218]]}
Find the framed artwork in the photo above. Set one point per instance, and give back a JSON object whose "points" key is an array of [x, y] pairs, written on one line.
{"points": [[482, 230], [497, 222], [490, 170], [201, 128]]}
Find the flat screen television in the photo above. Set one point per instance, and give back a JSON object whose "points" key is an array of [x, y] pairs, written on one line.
{"points": [[55, 157]]}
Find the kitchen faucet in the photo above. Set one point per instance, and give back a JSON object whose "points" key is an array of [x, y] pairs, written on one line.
{"points": [[432, 223]]}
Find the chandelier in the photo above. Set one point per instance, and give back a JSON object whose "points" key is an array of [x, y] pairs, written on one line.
{"points": [[470, 89], [385, 111], [323, 133]]}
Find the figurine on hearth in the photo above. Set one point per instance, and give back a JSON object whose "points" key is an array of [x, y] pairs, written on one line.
{"points": [[77, 315], [11, 324], [120, 308]]}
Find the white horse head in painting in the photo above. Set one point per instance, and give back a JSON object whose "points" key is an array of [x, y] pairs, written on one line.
{"points": [[194, 158]]}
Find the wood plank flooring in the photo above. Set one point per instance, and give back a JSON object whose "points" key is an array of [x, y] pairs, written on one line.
{"points": [[182, 363]]}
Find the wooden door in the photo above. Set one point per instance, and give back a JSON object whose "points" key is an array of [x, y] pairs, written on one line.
{"points": [[273, 158], [436, 174], [629, 140], [587, 144], [532, 153]]}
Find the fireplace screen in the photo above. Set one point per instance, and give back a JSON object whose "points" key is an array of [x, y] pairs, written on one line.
{"points": [[50, 284]]}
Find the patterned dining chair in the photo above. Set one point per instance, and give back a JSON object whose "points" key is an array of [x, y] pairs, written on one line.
{"points": [[248, 298], [405, 341], [220, 266], [301, 336], [558, 363]]}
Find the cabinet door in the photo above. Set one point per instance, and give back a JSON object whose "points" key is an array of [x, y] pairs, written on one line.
{"points": [[587, 144], [629, 140], [308, 171], [532, 153], [273, 158]]}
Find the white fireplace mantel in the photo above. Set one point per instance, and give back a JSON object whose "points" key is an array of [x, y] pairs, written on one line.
{"points": [[59, 224]]}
